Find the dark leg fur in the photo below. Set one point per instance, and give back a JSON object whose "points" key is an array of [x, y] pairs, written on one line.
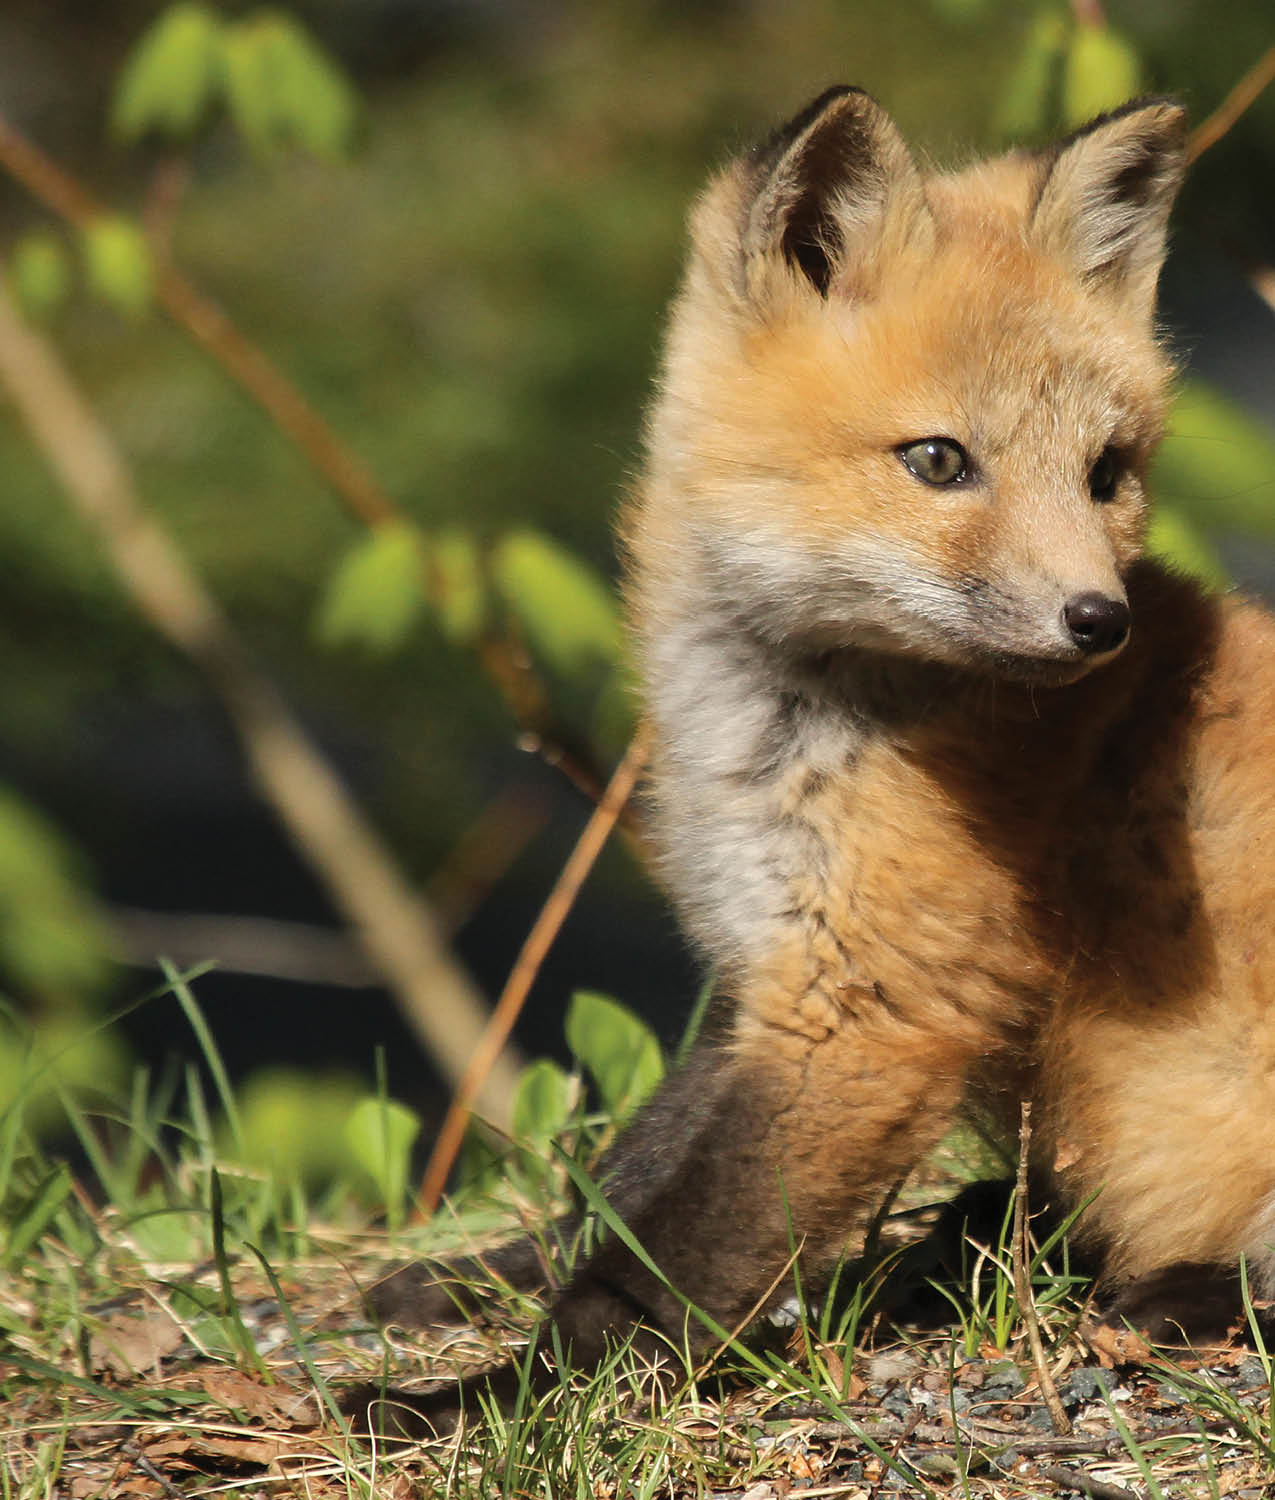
{"points": [[729, 1166], [1181, 1303], [423, 1293]]}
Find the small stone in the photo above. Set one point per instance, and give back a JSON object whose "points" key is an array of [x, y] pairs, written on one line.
{"points": [[1003, 1379], [1090, 1384]]}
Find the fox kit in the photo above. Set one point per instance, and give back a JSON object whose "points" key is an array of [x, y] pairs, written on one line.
{"points": [[965, 800]]}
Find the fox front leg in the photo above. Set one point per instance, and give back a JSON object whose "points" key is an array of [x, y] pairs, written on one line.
{"points": [[759, 1147]]}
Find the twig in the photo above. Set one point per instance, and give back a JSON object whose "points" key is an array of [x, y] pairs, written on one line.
{"points": [[396, 929], [994, 1436], [133, 1452], [164, 197], [1077, 1479], [1023, 1282], [518, 985], [1210, 131]]}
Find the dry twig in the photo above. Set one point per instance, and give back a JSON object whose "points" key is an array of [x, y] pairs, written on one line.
{"points": [[1211, 130], [1023, 1282], [1077, 1479], [540, 939]]}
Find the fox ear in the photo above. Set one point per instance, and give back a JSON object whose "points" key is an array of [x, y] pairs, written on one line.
{"points": [[827, 190], [1105, 198]]}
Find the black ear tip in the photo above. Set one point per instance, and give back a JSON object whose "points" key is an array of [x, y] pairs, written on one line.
{"points": [[779, 140], [1170, 119]]}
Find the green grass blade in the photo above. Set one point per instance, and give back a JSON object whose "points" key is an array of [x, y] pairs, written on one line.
{"points": [[179, 986]]}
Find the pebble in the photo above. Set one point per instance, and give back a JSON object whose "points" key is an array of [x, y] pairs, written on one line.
{"points": [[1088, 1385]]}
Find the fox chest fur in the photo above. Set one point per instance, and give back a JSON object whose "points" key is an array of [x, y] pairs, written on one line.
{"points": [[847, 838]]}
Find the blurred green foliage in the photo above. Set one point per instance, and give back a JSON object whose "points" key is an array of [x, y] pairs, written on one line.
{"points": [[473, 299], [279, 87]]}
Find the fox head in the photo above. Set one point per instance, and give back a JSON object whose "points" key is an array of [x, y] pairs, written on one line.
{"points": [[912, 413]]}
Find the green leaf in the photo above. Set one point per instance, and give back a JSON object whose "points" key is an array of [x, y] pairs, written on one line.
{"points": [[377, 593], [171, 75], [117, 263], [1101, 71], [457, 588], [380, 1132], [1217, 464], [40, 272], [282, 89], [249, 85], [618, 1049], [569, 614], [30, 1221], [542, 1105], [52, 939], [1027, 103], [291, 1121]]}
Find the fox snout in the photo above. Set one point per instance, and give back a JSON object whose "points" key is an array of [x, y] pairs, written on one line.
{"points": [[1096, 623]]}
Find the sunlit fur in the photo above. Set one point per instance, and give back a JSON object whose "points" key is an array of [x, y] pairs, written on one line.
{"points": [[933, 850], [939, 853]]}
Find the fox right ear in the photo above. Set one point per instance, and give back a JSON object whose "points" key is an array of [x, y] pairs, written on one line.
{"points": [[826, 196], [1105, 196]]}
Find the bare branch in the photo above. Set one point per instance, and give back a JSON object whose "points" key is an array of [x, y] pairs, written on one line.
{"points": [[540, 939], [1023, 1281], [397, 930], [1209, 132]]}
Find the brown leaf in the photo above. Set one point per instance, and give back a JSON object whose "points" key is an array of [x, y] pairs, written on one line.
{"points": [[1115, 1346], [131, 1344], [245, 1450], [188, 1451], [279, 1404]]}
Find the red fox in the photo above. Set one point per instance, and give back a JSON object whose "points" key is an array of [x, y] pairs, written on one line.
{"points": [[965, 799]]}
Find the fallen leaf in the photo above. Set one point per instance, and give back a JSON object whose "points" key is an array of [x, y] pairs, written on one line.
{"points": [[1115, 1346], [134, 1343], [279, 1403]]}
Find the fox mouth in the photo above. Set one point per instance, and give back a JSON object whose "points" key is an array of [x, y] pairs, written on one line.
{"points": [[1045, 671]]}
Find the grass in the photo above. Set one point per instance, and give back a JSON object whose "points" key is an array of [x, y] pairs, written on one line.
{"points": [[172, 1322]]}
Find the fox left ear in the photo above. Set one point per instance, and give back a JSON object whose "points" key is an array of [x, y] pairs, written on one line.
{"points": [[1105, 197]]}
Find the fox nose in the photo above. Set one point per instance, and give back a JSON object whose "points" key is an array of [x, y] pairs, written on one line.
{"points": [[1096, 623]]}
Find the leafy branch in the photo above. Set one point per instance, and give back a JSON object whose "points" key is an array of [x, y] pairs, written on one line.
{"points": [[279, 90]]}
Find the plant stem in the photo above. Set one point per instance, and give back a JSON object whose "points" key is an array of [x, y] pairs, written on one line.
{"points": [[521, 977]]}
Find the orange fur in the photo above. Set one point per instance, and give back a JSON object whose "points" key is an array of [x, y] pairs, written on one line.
{"points": [[933, 848], [949, 830]]}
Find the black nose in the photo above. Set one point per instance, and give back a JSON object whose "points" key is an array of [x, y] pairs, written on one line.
{"points": [[1096, 623]]}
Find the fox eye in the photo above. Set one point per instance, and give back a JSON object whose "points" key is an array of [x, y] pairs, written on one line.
{"points": [[1105, 475], [936, 460]]}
